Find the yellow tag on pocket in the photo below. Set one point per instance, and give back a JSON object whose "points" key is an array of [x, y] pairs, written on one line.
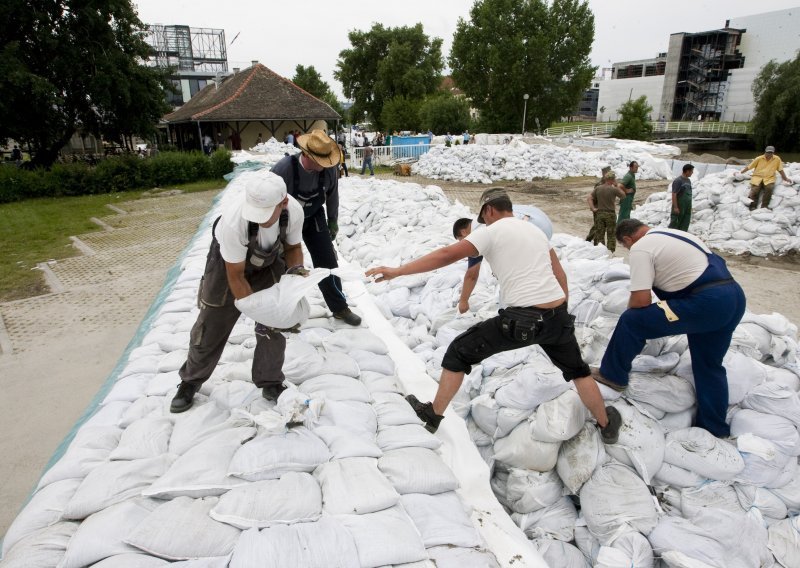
{"points": [[671, 316]]}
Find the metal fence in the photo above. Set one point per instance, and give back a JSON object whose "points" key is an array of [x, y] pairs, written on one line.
{"points": [[607, 127], [387, 155]]}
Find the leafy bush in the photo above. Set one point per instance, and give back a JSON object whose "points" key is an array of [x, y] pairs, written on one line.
{"points": [[634, 120], [445, 113]]}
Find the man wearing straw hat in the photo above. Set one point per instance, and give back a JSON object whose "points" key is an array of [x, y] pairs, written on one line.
{"points": [[311, 178]]}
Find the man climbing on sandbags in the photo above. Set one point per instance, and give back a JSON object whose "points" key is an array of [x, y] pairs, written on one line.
{"points": [[697, 296], [533, 286], [311, 178], [764, 168], [254, 240], [463, 227], [603, 203]]}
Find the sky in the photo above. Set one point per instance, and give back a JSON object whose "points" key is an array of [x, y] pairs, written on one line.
{"points": [[283, 34]]}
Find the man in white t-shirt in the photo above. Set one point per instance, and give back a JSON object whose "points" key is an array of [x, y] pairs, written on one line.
{"points": [[698, 297], [254, 241], [533, 286]]}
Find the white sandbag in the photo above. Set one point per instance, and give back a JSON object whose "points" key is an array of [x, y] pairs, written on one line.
{"points": [[716, 494], [669, 393], [294, 498], [196, 425], [145, 438], [676, 476], [519, 449], [128, 389], [203, 470], [677, 420], [744, 374], [132, 561], [640, 444], [614, 501], [441, 520], [181, 529], [346, 444], [282, 305], [764, 464], [234, 394], [784, 541], [163, 383], [790, 493], [302, 361], [530, 387], [41, 549], [357, 417], [90, 447], [336, 387], [559, 553], [455, 557], [114, 482], [335, 364], [368, 361], [417, 470], [385, 537], [699, 451], [346, 339], [141, 408], [579, 456], [762, 499], [773, 398], [269, 457], [556, 521], [528, 491], [44, 509], [407, 435], [172, 361], [354, 485], [101, 534], [560, 419], [778, 430], [631, 549], [322, 544], [378, 383], [496, 420], [660, 364], [393, 410]]}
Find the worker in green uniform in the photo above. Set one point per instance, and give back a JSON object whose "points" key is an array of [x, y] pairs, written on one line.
{"points": [[629, 185], [682, 200]]}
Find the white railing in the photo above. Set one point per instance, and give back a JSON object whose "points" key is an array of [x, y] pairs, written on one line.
{"points": [[675, 127], [387, 155]]}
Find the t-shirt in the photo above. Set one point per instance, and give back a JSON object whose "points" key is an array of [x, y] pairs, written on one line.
{"points": [[764, 170], [682, 185], [605, 197], [629, 181], [666, 262], [527, 213], [519, 255], [231, 231]]}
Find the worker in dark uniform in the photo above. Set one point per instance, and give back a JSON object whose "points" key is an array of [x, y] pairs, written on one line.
{"points": [[311, 178]]}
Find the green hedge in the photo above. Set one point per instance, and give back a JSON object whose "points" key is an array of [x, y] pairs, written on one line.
{"points": [[119, 173]]}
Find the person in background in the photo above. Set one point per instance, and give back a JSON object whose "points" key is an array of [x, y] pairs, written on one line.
{"points": [[259, 139], [599, 182], [533, 287], [466, 137], [681, 212], [603, 203], [311, 178], [763, 180], [629, 186], [697, 297], [343, 159], [367, 163], [289, 138]]}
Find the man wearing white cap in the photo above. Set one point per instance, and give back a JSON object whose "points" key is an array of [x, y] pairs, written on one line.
{"points": [[764, 168], [254, 241]]}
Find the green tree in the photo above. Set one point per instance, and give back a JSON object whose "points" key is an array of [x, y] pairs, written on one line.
{"points": [[634, 120], [309, 79], [400, 113], [444, 112], [776, 91], [384, 63], [512, 47], [70, 65]]}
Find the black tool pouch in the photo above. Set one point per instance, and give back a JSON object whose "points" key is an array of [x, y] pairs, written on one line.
{"points": [[520, 324]]}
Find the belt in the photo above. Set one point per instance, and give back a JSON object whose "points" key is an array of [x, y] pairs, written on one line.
{"points": [[713, 284], [544, 313]]}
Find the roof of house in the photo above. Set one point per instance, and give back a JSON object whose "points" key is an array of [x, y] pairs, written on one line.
{"points": [[255, 93]]}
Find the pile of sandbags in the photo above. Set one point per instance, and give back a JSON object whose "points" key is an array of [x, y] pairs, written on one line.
{"points": [[666, 490], [722, 218]]}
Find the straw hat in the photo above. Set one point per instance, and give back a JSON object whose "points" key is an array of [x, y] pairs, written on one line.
{"points": [[320, 147]]}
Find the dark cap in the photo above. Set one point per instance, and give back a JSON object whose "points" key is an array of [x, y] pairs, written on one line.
{"points": [[687, 167], [490, 195]]}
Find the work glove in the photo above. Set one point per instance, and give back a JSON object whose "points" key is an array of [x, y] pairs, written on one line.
{"points": [[333, 228], [298, 270]]}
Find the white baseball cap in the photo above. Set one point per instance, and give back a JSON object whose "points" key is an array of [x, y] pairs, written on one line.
{"points": [[263, 191]]}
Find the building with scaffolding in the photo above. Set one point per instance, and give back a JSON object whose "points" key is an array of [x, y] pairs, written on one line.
{"points": [[705, 75], [196, 56]]}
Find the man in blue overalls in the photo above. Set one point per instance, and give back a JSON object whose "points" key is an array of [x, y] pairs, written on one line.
{"points": [[698, 297], [312, 179]]}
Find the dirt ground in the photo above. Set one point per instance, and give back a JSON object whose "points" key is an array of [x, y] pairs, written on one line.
{"points": [[56, 350]]}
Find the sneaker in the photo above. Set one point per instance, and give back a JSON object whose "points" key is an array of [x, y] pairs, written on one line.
{"points": [[424, 411], [610, 434], [183, 399], [347, 316], [273, 391], [608, 382]]}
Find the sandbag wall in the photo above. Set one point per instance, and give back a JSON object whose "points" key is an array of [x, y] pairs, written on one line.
{"points": [[667, 494], [340, 473]]}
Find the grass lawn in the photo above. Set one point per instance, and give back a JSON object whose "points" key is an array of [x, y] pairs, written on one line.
{"points": [[36, 230]]}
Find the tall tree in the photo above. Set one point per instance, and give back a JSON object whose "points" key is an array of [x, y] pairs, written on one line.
{"points": [[634, 120], [309, 79], [776, 91], [67, 65], [400, 113], [384, 63], [444, 112], [512, 47]]}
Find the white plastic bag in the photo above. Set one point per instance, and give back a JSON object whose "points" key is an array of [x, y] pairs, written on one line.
{"points": [[282, 305], [355, 485]]}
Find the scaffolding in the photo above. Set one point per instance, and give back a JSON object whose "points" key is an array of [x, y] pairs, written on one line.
{"points": [[188, 49]]}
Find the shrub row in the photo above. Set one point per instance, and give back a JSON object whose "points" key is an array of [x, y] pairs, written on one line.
{"points": [[118, 173]]}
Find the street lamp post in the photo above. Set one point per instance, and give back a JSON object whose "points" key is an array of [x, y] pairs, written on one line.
{"points": [[524, 111]]}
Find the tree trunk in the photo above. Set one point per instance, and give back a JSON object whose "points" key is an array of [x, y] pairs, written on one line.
{"points": [[45, 156]]}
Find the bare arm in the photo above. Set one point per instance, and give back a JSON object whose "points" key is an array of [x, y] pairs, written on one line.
{"points": [[590, 201], [783, 176], [621, 192], [675, 208], [558, 272], [470, 279], [640, 299], [236, 280], [431, 261], [293, 255]]}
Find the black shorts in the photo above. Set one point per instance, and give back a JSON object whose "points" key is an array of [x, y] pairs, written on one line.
{"points": [[555, 334]]}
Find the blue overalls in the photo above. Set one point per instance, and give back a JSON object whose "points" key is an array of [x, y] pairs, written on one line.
{"points": [[709, 309]]}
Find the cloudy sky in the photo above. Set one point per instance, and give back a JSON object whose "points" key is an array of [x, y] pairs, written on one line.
{"points": [[283, 34]]}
